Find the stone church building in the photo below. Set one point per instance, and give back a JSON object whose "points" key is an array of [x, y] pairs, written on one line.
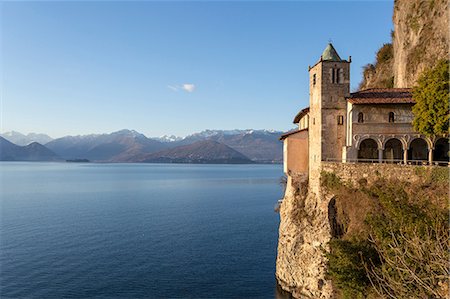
{"points": [[371, 126]]}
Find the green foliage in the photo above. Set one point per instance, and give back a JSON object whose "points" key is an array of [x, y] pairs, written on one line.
{"points": [[440, 175], [346, 268], [385, 53], [330, 180], [411, 238], [420, 171], [406, 251], [431, 111]]}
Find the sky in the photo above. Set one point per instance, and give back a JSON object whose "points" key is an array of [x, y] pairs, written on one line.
{"points": [[173, 67]]}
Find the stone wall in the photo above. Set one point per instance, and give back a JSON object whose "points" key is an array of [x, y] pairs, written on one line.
{"points": [[379, 114], [315, 123], [354, 172]]}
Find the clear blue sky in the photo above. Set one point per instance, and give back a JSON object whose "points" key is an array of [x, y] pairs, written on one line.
{"points": [[173, 67]]}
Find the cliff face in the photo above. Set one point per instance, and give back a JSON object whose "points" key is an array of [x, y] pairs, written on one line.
{"points": [[303, 236], [420, 39]]}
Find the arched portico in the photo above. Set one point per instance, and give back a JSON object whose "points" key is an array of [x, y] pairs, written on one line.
{"points": [[368, 150], [399, 147], [418, 150], [393, 150], [441, 150]]}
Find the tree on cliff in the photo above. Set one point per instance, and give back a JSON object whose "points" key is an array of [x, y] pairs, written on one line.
{"points": [[431, 111]]}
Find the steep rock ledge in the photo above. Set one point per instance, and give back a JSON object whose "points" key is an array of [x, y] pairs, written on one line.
{"points": [[419, 40], [303, 236]]}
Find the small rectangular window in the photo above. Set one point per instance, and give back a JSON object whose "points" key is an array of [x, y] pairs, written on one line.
{"points": [[360, 117], [314, 79], [340, 119], [391, 117]]}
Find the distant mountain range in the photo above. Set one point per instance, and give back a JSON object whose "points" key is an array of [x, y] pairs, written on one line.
{"points": [[210, 146], [31, 152], [21, 139], [115, 147], [200, 152]]}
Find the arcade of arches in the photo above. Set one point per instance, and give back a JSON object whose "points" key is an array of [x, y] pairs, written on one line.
{"points": [[394, 150]]}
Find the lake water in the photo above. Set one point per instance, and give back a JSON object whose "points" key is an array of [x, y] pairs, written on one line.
{"points": [[138, 230]]}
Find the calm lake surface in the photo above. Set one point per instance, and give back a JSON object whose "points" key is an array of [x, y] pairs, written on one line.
{"points": [[138, 230]]}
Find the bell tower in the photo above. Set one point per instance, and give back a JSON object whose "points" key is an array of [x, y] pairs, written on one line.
{"points": [[329, 85]]}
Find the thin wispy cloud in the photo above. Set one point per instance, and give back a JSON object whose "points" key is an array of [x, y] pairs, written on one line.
{"points": [[174, 88], [188, 87]]}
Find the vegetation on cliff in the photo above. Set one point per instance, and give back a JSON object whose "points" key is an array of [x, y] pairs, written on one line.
{"points": [[390, 237], [420, 39], [380, 74], [431, 111]]}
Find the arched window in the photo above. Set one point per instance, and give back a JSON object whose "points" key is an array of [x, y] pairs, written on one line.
{"points": [[391, 117], [360, 117], [337, 75]]}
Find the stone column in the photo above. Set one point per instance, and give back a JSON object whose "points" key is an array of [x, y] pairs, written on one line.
{"points": [[430, 156], [405, 156], [380, 155]]}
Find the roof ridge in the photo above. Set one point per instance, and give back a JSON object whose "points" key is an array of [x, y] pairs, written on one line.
{"points": [[384, 88]]}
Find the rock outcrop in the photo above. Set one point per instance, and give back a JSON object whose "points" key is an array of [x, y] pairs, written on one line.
{"points": [[303, 236], [420, 39]]}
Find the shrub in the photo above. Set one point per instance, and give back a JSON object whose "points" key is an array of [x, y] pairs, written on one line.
{"points": [[431, 111], [346, 268], [412, 242], [404, 250], [385, 53], [330, 180], [439, 175]]}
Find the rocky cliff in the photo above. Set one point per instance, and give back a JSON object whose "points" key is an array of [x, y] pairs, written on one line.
{"points": [[420, 38], [310, 223], [303, 236]]}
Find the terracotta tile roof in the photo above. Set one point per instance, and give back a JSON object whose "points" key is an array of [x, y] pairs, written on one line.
{"points": [[300, 114], [286, 135], [382, 96]]}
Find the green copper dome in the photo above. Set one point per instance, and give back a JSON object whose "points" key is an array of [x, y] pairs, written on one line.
{"points": [[330, 54]]}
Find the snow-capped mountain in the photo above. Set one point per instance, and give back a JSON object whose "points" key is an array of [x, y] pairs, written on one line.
{"points": [[210, 133], [22, 140], [260, 146], [168, 138]]}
